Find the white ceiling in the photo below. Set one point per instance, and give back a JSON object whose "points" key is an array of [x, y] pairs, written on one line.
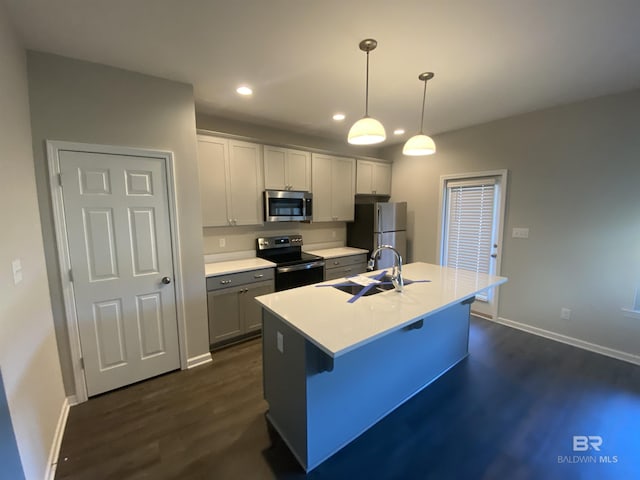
{"points": [[491, 58]]}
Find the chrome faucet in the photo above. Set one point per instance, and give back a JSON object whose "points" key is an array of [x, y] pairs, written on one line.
{"points": [[396, 273]]}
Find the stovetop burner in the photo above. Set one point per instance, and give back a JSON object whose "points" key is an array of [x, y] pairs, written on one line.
{"points": [[294, 268], [293, 259], [283, 250]]}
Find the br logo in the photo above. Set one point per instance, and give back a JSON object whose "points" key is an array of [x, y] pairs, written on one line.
{"points": [[582, 443]]}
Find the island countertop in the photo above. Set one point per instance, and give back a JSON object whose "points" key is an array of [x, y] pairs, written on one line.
{"points": [[322, 315]]}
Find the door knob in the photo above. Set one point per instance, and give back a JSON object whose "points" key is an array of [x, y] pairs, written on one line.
{"points": [[166, 280]]}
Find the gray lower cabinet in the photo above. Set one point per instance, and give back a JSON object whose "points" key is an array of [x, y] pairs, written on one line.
{"points": [[233, 312], [346, 266]]}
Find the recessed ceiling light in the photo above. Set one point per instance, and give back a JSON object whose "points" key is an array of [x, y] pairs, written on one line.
{"points": [[398, 131], [244, 90], [338, 117]]}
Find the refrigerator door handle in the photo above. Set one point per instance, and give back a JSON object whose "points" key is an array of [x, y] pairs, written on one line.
{"points": [[379, 224]]}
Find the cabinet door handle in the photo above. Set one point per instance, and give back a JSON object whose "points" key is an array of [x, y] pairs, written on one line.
{"points": [[258, 275], [336, 263]]}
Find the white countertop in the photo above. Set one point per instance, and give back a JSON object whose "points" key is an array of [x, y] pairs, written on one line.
{"points": [[235, 266], [323, 316], [337, 252]]}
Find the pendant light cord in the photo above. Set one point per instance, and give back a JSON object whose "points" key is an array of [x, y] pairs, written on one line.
{"points": [[424, 98], [366, 94]]}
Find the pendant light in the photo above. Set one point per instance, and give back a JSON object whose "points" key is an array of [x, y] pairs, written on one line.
{"points": [[421, 144], [367, 130]]}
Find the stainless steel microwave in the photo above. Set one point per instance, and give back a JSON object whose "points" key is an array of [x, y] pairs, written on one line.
{"points": [[288, 206]]}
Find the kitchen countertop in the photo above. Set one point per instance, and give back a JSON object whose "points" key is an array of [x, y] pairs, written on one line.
{"points": [[235, 266], [323, 316], [246, 264], [337, 252]]}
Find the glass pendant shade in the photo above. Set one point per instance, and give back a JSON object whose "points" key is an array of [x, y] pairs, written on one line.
{"points": [[366, 131], [419, 145]]}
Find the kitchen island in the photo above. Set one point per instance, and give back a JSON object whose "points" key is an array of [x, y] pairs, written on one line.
{"points": [[332, 369]]}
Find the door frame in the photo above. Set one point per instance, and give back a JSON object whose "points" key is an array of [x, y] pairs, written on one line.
{"points": [[503, 174], [54, 148]]}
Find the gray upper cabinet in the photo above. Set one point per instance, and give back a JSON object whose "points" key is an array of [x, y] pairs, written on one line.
{"points": [[287, 169], [373, 178], [231, 181], [333, 187]]}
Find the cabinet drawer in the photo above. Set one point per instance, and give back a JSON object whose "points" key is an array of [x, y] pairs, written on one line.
{"points": [[346, 271], [234, 279], [344, 261]]}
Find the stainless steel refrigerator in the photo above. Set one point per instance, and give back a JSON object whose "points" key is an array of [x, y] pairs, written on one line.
{"points": [[379, 223]]}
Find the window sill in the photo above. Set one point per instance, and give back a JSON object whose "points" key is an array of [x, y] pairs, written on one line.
{"points": [[628, 312]]}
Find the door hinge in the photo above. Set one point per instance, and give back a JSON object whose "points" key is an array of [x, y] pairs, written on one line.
{"points": [[70, 275], [82, 363]]}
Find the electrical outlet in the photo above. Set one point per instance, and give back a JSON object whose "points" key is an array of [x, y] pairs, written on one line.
{"points": [[222, 242], [520, 232], [565, 313], [280, 342]]}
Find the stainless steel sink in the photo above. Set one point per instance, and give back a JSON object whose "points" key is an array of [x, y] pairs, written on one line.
{"points": [[354, 289]]}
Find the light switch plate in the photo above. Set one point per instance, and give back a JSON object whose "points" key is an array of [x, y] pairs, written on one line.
{"points": [[16, 267], [520, 232]]}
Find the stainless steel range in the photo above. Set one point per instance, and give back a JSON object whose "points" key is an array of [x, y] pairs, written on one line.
{"points": [[294, 268]]}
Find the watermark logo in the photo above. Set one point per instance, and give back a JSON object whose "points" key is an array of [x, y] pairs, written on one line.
{"points": [[587, 443], [582, 443]]}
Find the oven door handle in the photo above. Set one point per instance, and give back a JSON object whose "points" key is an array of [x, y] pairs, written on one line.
{"points": [[303, 266]]}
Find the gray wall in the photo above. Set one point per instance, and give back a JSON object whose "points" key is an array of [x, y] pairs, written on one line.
{"points": [[573, 180], [78, 101], [28, 352]]}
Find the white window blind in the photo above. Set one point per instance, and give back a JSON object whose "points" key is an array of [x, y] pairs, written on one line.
{"points": [[470, 224]]}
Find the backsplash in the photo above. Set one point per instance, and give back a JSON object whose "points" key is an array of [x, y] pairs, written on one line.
{"points": [[236, 239]]}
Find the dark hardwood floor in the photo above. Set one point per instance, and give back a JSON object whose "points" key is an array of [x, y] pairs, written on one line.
{"points": [[509, 411]]}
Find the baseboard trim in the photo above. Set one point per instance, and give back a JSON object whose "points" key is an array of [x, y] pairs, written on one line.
{"points": [[199, 360], [54, 451], [575, 342]]}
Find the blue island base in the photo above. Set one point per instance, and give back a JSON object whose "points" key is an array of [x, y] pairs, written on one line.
{"points": [[318, 404]]}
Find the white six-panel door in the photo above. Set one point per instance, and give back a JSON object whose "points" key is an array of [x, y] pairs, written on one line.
{"points": [[118, 228]]}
